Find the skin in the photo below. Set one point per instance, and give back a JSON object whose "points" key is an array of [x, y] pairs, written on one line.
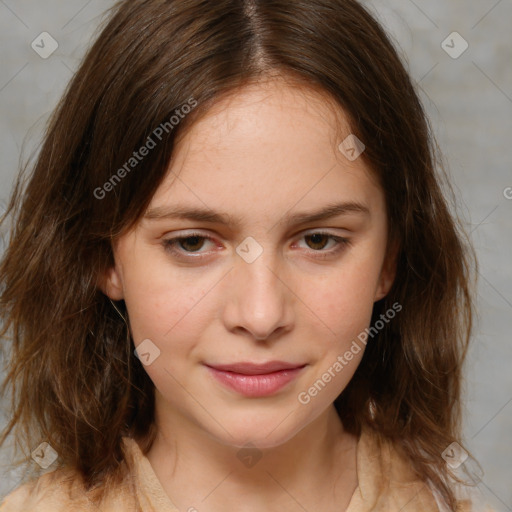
{"points": [[269, 150]]}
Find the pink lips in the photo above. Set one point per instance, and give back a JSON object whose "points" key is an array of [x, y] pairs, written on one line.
{"points": [[256, 380]]}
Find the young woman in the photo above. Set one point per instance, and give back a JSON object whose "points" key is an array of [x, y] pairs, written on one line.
{"points": [[233, 281]]}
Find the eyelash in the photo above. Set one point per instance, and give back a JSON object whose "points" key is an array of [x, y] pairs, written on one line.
{"points": [[170, 243]]}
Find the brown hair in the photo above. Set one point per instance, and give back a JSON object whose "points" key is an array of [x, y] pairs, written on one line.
{"points": [[75, 380]]}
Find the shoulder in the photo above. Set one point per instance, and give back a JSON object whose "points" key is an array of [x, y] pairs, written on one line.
{"points": [[61, 490], [387, 480], [51, 491]]}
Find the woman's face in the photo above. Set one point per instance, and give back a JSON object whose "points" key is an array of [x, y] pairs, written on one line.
{"points": [[256, 281]]}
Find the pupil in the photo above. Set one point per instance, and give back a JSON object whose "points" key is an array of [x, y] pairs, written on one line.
{"points": [[196, 240], [317, 239]]}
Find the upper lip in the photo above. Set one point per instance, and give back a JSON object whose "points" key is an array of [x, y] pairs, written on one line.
{"points": [[248, 368]]}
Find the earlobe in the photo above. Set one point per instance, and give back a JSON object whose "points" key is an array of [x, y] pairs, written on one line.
{"points": [[388, 272], [385, 282], [111, 284]]}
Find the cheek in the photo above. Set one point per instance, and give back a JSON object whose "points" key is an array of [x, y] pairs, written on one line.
{"points": [[161, 301], [343, 299]]}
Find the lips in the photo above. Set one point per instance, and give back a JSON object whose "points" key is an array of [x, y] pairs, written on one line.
{"points": [[256, 380], [256, 369]]}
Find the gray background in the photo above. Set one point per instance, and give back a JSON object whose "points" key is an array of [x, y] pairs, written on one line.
{"points": [[469, 100]]}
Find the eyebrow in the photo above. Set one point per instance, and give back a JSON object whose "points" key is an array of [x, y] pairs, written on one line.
{"points": [[210, 216]]}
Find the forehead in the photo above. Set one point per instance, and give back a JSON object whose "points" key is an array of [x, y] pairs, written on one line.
{"points": [[245, 111], [270, 145]]}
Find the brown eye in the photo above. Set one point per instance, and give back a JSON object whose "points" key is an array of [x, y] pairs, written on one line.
{"points": [[324, 246], [318, 241], [191, 243]]}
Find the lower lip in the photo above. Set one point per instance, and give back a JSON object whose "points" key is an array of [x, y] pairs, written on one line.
{"points": [[256, 385]]}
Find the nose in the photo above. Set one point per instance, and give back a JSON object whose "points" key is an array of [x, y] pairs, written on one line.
{"points": [[259, 300]]}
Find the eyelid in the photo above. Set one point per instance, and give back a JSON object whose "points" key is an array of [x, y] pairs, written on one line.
{"points": [[341, 243], [169, 244]]}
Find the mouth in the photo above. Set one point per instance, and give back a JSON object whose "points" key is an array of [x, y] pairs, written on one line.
{"points": [[256, 380]]}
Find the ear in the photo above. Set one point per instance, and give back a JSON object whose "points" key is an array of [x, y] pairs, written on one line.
{"points": [[111, 284], [388, 271]]}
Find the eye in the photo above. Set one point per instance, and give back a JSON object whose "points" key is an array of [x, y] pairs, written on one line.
{"points": [[318, 241], [189, 246], [185, 245]]}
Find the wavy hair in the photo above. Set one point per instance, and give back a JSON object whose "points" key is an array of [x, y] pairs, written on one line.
{"points": [[74, 378]]}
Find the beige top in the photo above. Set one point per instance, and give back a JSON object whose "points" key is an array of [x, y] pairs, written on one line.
{"points": [[386, 483]]}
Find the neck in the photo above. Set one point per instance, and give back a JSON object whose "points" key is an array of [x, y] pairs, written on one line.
{"points": [[315, 469]]}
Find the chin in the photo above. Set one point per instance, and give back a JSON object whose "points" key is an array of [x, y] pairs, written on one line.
{"points": [[263, 431]]}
